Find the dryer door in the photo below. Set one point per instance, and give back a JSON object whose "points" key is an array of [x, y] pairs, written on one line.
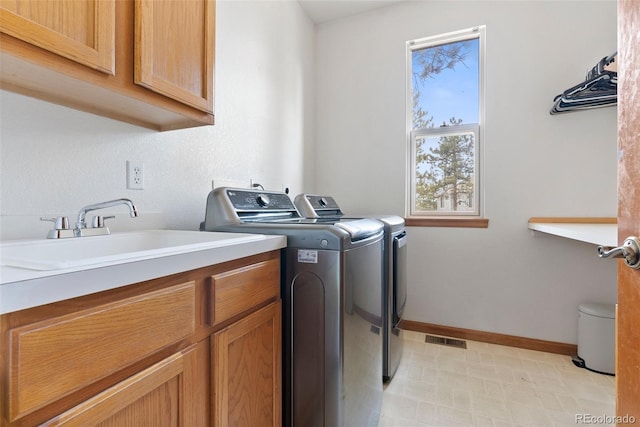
{"points": [[399, 276]]}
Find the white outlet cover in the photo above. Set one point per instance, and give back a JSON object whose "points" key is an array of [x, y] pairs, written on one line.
{"points": [[135, 175]]}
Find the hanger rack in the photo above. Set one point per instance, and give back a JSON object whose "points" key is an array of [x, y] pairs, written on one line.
{"points": [[599, 89]]}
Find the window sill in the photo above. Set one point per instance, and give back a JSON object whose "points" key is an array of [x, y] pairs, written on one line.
{"points": [[415, 221]]}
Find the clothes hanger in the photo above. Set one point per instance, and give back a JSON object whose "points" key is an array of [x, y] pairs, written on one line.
{"points": [[599, 89]]}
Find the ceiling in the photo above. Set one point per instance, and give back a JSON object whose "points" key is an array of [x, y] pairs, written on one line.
{"points": [[326, 10]]}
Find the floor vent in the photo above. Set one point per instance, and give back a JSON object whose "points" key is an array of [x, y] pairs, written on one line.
{"points": [[450, 342]]}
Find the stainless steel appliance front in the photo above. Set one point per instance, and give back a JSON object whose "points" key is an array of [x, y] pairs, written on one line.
{"points": [[333, 338], [332, 302], [395, 271], [395, 298]]}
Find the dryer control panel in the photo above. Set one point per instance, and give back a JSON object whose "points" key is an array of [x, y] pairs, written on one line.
{"points": [[317, 206]]}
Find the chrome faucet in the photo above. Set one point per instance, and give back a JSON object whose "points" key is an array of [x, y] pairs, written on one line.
{"points": [[61, 229], [98, 222]]}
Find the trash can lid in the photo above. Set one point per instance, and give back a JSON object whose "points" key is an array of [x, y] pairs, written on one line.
{"points": [[598, 309]]}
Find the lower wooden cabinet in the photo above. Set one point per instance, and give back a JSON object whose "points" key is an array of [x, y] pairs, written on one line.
{"points": [[82, 347], [163, 395], [150, 354], [246, 376]]}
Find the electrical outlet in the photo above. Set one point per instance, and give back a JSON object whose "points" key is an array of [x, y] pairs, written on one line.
{"points": [[135, 175]]}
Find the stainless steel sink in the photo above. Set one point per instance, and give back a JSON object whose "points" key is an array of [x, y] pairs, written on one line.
{"points": [[47, 254]]}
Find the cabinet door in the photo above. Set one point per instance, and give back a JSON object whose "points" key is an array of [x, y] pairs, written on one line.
{"points": [[247, 370], [54, 357], [174, 49], [83, 31], [169, 393]]}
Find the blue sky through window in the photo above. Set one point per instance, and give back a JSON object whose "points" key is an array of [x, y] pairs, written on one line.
{"points": [[452, 92]]}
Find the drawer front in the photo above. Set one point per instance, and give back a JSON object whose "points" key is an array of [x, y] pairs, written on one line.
{"points": [[52, 358], [238, 290]]}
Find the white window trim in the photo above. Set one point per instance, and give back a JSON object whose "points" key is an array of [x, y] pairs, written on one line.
{"points": [[478, 32]]}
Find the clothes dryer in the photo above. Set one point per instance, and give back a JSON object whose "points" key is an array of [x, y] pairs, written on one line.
{"points": [[395, 272]]}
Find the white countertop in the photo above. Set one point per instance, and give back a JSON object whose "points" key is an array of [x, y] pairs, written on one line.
{"points": [[598, 234], [22, 288]]}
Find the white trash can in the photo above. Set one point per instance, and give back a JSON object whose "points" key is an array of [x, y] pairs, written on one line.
{"points": [[596, 337]]}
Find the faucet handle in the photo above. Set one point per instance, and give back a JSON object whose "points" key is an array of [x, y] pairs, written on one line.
{"points": [[60, 229], [98, 220], [60, 222]]}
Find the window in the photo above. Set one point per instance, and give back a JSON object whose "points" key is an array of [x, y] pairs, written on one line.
{"points": [[444, 124]]}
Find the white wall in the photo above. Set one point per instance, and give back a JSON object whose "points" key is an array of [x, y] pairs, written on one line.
{"points": [[502, 279], [56, 160]]}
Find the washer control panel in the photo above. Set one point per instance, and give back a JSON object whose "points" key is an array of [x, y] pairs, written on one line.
{"points": [[247, 200]]}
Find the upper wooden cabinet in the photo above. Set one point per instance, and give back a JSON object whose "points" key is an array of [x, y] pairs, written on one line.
{"points": [[174, 56], [83, 31], [144, 62]]}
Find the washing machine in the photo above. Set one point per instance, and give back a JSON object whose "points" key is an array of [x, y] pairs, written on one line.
{"points": [[332, 305]]}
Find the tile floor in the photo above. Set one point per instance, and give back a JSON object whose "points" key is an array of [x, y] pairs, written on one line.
{"points": [[491, 385]]}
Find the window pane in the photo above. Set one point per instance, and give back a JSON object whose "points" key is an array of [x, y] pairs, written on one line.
{"points": [[445, 84], [444, 113], [445, 173]]}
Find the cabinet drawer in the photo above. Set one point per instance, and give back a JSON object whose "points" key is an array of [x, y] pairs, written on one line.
{"points": [[239, 290], [52, 358]]}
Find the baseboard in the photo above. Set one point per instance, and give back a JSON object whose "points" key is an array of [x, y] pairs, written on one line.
{"points": [[490, 337]]}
